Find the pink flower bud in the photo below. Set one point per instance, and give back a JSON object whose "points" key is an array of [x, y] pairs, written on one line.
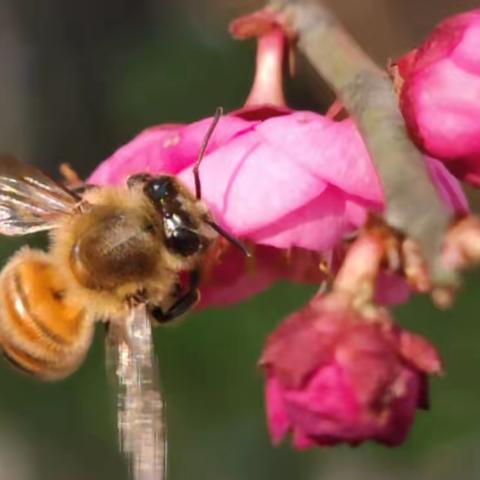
{"points": [[440, 99], [334, 375]]}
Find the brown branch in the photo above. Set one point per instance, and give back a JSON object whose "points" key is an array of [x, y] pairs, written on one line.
{"points": [[413, 205]]}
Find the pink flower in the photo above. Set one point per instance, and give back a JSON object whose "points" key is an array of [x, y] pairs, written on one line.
{"points": [[293, 180], [335, 375], [440, 98], [297, 179], [229, 277]]}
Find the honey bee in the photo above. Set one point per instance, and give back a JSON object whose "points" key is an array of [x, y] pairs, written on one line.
{"points": [[111, 249]]}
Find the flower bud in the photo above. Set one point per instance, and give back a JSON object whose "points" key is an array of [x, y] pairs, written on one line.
{"points": [[440, 98], [335, 375]]}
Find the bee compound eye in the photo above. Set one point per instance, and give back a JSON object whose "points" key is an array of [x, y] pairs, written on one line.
{"points": [[160, 188], [184, 242]]}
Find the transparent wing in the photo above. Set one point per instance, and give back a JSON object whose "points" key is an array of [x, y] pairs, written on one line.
{"points": [[140, 406], [30, 201]]}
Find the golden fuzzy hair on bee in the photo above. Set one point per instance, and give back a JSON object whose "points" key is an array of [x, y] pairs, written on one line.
{"points": [[119, 216], [42, 332], [112, 249]]}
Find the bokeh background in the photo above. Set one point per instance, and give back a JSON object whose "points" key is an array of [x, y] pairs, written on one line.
{"points": [[79, 79]]}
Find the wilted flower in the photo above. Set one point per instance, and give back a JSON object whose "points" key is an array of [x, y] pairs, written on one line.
{"points": [[335, 375], [339, 370], [440, 98]]}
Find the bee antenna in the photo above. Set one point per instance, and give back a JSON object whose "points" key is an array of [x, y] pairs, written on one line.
{"points": [[234, 241], [201, 153]]}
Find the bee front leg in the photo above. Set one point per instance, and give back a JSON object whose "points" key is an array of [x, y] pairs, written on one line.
{"points": [[182, 305]]}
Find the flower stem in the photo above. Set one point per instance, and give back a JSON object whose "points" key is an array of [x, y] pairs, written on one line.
{"points": [[361, 264], [358, 274], [413, 205], [268, 83]]}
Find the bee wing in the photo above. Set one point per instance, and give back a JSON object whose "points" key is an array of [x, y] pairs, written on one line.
{"points": [[140, 406], [30, 201]]}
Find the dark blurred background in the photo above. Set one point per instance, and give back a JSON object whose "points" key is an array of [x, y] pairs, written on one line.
{"points": [[79, 79]]}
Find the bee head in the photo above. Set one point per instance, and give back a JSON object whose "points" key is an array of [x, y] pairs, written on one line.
{"points": [[188, 225], [184, 218]]}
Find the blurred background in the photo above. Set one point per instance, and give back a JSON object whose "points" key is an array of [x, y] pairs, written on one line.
{"points": [[79, 79]]}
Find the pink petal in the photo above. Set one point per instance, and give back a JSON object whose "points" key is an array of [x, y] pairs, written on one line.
{"points": [[248, 184], [150, 148], [420, 353], [277, 418], [302, 441], [318, 225], [441, 95], [326, 407], [391, 289], [166, 149], [233, 279], [401, 413], [448, 115], [466, 52], [447, 186], [332, 151]]}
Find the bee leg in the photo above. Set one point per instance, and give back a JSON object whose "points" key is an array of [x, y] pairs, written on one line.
{"points": [[179, 308], [138, 178], [182, 305]]}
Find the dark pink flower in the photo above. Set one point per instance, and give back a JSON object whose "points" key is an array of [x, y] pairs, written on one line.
{"points": [[335, 375], [229, 277], [440, 98]]}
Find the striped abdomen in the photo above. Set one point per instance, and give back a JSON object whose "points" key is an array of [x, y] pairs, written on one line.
{"points": [[40, 332]]}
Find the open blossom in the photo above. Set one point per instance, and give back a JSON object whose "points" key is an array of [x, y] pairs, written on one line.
{"points": [[440, 98], [335, 375], [293, 180]]}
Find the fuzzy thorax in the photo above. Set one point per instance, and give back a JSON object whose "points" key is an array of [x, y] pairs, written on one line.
{"points": [[112, 251]]}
